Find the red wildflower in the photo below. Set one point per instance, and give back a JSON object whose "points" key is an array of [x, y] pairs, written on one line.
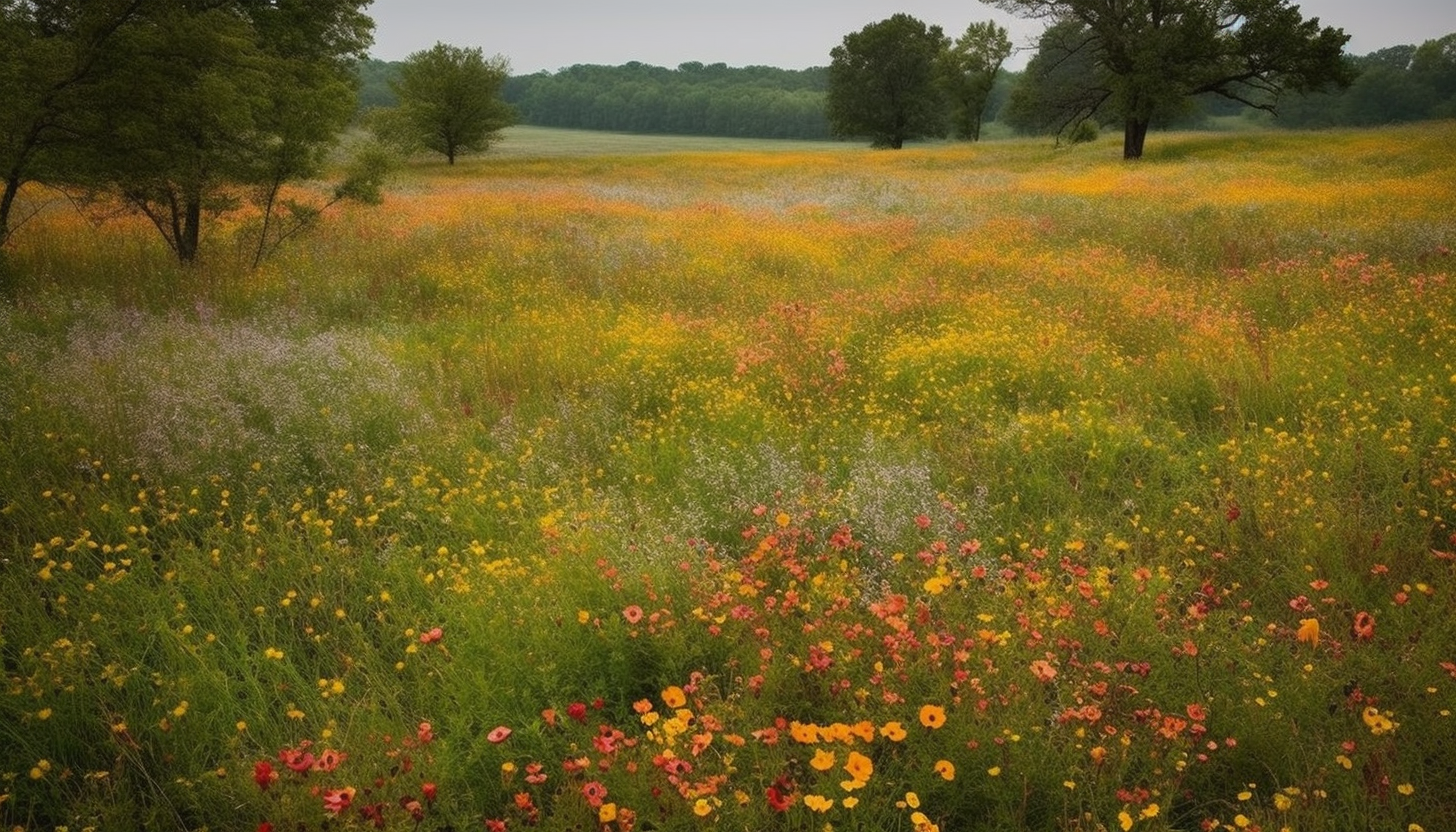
{"points": [[594, 792], [263, 774], [432, 636], [780, 795], [425, 733], [498, 734], [494, 825], [328, 760], [633, 614], [429, 790], [1364, 626], [1196, 713], [296, 759], [550, 716], [337, 800], [577, 711]]}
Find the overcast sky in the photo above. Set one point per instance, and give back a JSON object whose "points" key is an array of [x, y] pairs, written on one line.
{"points": [[790, 34]]}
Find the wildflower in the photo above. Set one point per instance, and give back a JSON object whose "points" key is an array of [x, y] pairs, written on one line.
{"points": [[429, 790], [1308, 631], [1377, 722], [849, 802], [994, 771], [424, 733], [932, 716], [702, 808], [1364, 626], [823, 760], [1124, 820], [946, 769], [1149, 811], [893, 731], [633, 614], [495, 825], [594, 792], [263, 774], [674, 697], [818, 803], [328, 760], [549, 714], [498, 734], [607, 812], [859, 766], [297, 759], [780, 795], [432, 636], [1043, 670], [911, 801], [1406, 789], [802, 733], [337, 800], [1196, 713], [577, 711]]}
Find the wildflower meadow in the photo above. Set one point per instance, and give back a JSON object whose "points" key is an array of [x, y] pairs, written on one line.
{"points": [[967, 487]]}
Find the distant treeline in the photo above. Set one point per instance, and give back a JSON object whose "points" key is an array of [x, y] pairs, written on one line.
{"points": [[693, 99], [1398, 84]]}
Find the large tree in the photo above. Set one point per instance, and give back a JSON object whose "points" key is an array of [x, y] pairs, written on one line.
{"points": [[970, 67], [1152, 54], [180, 107], [450, 101], [52, 56], [882, 82]]}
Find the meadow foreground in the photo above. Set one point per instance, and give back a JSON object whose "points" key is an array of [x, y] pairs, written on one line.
{"points": [[959, 488]]}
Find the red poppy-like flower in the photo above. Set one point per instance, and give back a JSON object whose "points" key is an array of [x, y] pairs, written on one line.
{"points": [[432, 636], [633, 614], [263, 774], [429, 790], [337, 800], [594, 792], [1364, 626], [577, 711], [780, 795], [498, 734], [523, 801], [425, 733], [296, 759], [495, 825], [550, 716], [1196, 713], [265, 826], [328, 760]]}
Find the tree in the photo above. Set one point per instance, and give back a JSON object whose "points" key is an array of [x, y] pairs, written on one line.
{"points": [[1057, 91], [51, 56], [1151, 55], [970, 67], [449, 101], [882, 82], [213, 100]]}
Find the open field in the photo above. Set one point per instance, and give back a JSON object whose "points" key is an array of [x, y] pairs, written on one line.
{"points": [[801, 488]]}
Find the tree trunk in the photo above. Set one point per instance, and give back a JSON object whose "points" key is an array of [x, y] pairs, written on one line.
{"points": [[1134, 132], [12, 187], [190, 229]]}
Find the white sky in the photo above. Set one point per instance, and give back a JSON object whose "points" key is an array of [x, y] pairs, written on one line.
{"points": [[790, 34]]}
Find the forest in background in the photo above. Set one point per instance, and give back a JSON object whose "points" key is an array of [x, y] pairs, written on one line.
{"points": [[1395, 85]]}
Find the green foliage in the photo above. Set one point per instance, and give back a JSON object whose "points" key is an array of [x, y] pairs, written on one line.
{"points": [[882, 82], [970, 68], [173, 106], [694, 99], [449, 102], [1392, 86], [1150, 57]]}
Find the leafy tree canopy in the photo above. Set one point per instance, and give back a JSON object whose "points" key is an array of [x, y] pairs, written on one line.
{"points": [[970, 68], [1151, 55], [882, 82], [449, 101]]}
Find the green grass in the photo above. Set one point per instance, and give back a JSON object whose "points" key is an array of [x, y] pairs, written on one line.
{"points": [[712, 461]]}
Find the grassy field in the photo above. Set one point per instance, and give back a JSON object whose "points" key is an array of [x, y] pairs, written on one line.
{"points": [[669, 485]]}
